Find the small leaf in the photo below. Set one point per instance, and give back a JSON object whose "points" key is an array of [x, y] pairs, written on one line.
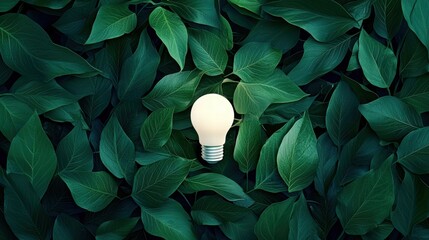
{"points": [[31, 154], [319, 58], [378, 62], [417, 19], [342, 115], [174, 90], [415, 92], [117, 150], [413, 151], [388, 17], [208, 52], [116, 229], [112, 21], [14, 115], [169, 221], [367, 201], [297, 158], [156, 129], [92, 191], [255, 61], [154, 183], [391, 118], [69, 228], [172, 32]]}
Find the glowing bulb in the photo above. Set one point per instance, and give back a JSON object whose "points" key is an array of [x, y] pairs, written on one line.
{"points": [[212, 116]]}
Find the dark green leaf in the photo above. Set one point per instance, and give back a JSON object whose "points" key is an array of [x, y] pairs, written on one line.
{"points": [[201, 12], [116, 229], [367, 201], [242, 228], [417, 19], [7, 5], [328, 157], [53, 4], [302, 224], [32, 155], [250, 5], [69, 228], [378, 61], [154, 183], [92, 191], [363, 93], [388, 17], [14, 115], [324, 20], [169, 221], [391, 118], [68, 113], [413, 151], [414, 59], [342, 115], [297, 158], [156, 129], [415, 92], [26, 48], [172, 32], [95, 104], [319, 58], [281, 113], [382, 231]]}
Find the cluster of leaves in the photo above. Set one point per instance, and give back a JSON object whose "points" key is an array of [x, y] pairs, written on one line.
{"points": [[330, 140]]}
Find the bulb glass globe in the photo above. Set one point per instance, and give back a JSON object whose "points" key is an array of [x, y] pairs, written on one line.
{"points": [[212, 116]]}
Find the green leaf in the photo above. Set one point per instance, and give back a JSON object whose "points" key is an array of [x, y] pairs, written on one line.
{"points": [[169, 221], [116, 229], [172, 32], [112, 21], [174, 90], [416, 18], [249, 142], [255, 95], [367, 201], [413, 60], [328, 157], [156, 129], [324, 20], [69, 228], [360, 9], [43, 96], [363, 93], [97, 102], [92, 191], [267, 175], [342, 115], [297, 158], [117, 150], [388, 17], [14, 115], [412, 204], [23, 211], [52, 4], [391, 118], [213, 211], [226, 33], [131, 115], [415, 92], [250, 5], [74, 153], [139, 70], [414, 149], [241, 229], [281, 113], [208, 52], [31, 154], [319, 58], [218, 183], [302, 225], [382, 231], [255, 61], [71, 113], [7, 5], [154, 183], [27, 49], [378, 62], [201, 12]]}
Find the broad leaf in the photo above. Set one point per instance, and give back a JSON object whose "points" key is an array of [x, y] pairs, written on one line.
{"points": [[31, 154], [208, 52], [169, 221], [267, 175], [156, 129], [92, 191], [174, 90], [139, 70], [388, 17], [413, 59], [69, 228], [413, 151], [367, 201], [319, 58], [342, 115], [154, 183], [14, 115], [27, 49], [297, 158], [172, 32], [378, 62], [201, 12], [117, 151], [391, 118], [116, 229], [255, 61], [255, 95], [112, 21], [415, 92], [417, 19], [324, 20], [74, 153]]}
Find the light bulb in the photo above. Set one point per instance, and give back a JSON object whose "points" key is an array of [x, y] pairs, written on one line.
{"points": [[212, 116]]}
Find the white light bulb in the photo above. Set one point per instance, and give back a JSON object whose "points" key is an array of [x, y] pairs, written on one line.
{"points": [[212, 116]]}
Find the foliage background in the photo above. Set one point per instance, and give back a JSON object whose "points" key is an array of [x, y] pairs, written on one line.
{"points": [[330, 138]]}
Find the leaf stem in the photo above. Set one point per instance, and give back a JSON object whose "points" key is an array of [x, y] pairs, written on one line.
{"points": [[388, 91], [183, 195], [341, 235]]}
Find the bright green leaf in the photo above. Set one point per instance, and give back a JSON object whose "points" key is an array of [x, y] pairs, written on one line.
{"points": [[156, 129]]}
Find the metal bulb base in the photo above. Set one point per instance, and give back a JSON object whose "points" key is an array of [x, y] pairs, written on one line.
{"points": [[212, 154]]}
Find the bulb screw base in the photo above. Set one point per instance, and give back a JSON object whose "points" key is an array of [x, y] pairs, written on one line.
{"points": [[212, 154]]}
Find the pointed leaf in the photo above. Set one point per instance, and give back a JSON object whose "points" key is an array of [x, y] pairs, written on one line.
{"points": [[156, 129], [69, 228], [414, 150], [14, 115], [413, 59], [201, 12], [388, 17], [415, 92], [417, 19]]}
